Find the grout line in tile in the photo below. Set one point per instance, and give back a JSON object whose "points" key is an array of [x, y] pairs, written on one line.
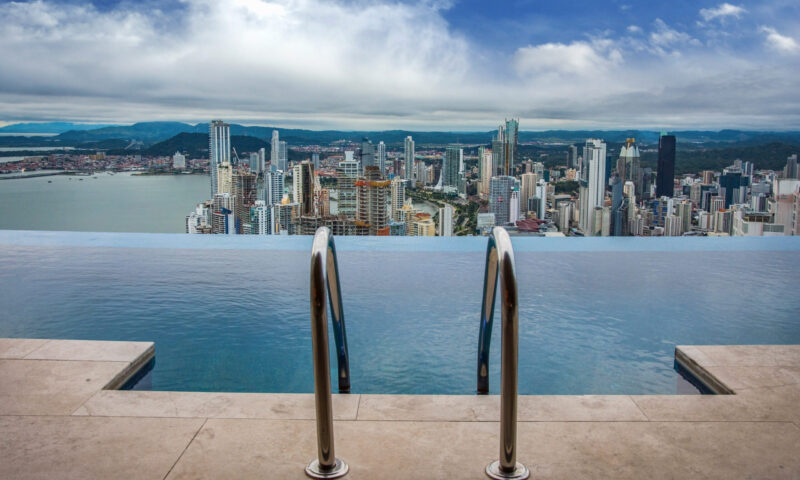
{"points": [[185, 448]]}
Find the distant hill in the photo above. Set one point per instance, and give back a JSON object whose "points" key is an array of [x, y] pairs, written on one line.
{"points": [[50, 127], [196, 145], [151, 133]]}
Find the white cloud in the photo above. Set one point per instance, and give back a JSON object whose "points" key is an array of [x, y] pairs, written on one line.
{"points": [[634, 29], [580, 58], [722, 11], [664, 36], [371, 64], [779, 42]]}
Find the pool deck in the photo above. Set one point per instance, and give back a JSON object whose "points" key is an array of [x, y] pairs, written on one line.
{"points": [[60, 417]]}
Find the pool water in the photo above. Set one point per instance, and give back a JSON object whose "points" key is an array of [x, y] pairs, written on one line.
{"points": [[233, 315]]}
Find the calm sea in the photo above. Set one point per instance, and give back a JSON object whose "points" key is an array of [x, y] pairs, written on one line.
{"points": [[101, 203], [105, 203]]}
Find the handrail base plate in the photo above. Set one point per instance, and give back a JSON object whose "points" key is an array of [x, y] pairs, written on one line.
{"points": [[314, 470], [520, 472]]}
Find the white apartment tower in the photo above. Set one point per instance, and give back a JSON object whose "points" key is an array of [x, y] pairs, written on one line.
{"points": [[219, 150], [445, 221], [592, 189], [380, 157], [409, 158], [275, 150], [398, 197]]}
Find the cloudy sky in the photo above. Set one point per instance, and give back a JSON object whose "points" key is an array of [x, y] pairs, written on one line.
{"points": [[432, 64]]}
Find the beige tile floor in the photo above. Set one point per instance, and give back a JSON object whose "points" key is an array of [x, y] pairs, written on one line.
{"points": [[61, 418]]}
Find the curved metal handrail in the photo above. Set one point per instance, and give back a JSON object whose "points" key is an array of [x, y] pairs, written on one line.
{"points": [[500, 260], [325, 277]]}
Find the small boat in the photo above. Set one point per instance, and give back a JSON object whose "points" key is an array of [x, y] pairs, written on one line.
{"points": [[49, 181]]}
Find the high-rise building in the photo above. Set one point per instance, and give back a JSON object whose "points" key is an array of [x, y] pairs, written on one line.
{"points": [[527, 188], [315, 160], [346, 176], [219, 150], [445, 221], [408, 155], [260, 221], [487, 172], [273, 187], [283, 156], [252, 162], [398, 197], [572, 157], [673, 226], [262, 160], [453, 159], [498, 152], [513, 206], [367, 154], [225, 178], [372, 191], [275, 151], [592, 185], [510, 146], [380, 157], [618, 215], [629, 165], [421, 173], [683, 210], [303, 187], [178, 161], [665, 176], [791, 170], [500, 188]]}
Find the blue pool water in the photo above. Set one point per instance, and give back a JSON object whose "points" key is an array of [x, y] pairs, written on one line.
{"points": [[231, 314]]}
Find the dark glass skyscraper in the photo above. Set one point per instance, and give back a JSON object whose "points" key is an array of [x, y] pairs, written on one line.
{"points": [[665, 178]]}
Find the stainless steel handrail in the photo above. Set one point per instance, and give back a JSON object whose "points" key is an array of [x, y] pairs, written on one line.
{"points": [[325, 277], [500, 259]]}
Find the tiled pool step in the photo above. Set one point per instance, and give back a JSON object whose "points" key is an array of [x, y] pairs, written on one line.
{"points": [[57, 421]]}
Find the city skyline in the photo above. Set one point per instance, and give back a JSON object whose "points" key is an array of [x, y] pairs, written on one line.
{"points": [[416, 65]]}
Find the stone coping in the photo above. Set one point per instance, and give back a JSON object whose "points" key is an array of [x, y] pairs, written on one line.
{"points": [[61, 418]]}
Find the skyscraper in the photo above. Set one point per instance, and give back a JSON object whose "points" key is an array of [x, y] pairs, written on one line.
{"points": [[219, 150], [367, 153], [275, 149], [225, 178], [629, 165], [487, 172], [665, 177], [380, 157], [527, 188], [500, 188], [453, 158], [445, 227], [510, 145], [303, 187], [372, 190], [398, 197], [592, 185], [791, 170], [273, 187], [498, 152], [315, 161], [283, 156], [572, 156], [346, 176], [409, 155]]}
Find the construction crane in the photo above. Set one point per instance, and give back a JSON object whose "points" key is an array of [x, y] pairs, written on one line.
{"points": [[236, 155]]}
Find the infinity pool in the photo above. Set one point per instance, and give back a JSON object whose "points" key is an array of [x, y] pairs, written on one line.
{"points": [[598, 316]]}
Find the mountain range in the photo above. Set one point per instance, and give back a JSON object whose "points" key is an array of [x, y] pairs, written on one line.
{"points": [[146, 134]]}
